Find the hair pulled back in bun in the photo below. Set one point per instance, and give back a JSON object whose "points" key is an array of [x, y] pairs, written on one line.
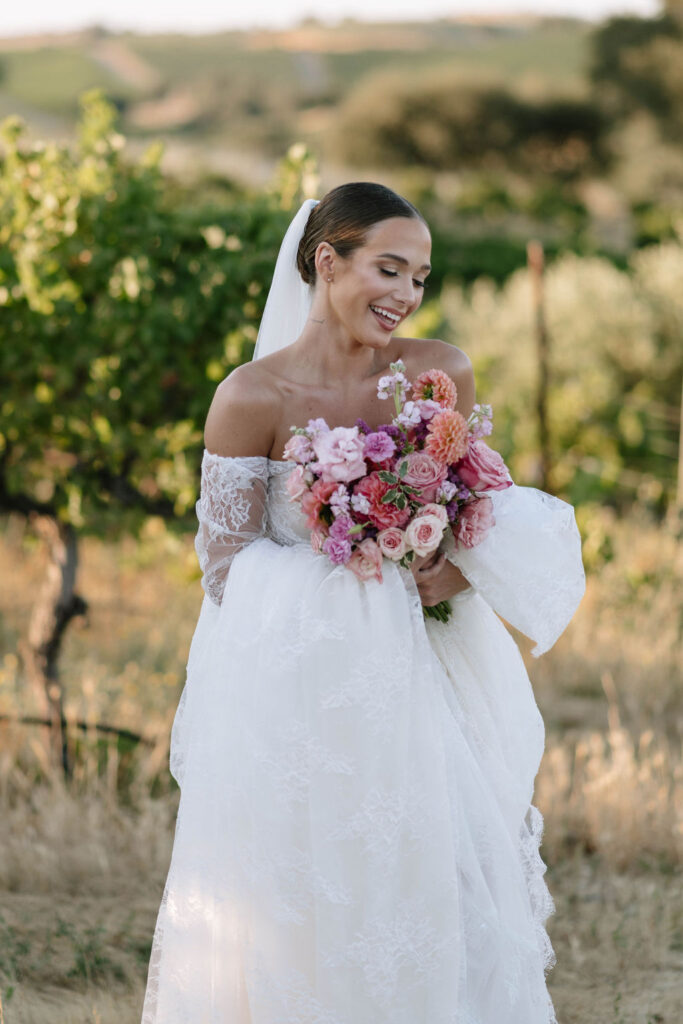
{"points": [[342, 218]]}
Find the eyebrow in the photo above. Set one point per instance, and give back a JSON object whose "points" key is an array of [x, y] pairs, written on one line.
{"points": [[402, 259]]}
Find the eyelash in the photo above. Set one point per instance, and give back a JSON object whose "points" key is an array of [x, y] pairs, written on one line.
{"points": [[393, 273]]}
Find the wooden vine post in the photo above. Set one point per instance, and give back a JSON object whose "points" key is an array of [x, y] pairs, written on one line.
{"points": [[535, 262]]}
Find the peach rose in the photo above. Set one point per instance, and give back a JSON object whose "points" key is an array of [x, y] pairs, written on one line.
{"points": [[296, 484], [474, 522], [366, 561], [425, 473], [392, 543], [424, 534], [313, 500]]}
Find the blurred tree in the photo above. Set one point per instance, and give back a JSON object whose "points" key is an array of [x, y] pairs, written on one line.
{"points": [[637, 64], [447, 123], [118, 315]]}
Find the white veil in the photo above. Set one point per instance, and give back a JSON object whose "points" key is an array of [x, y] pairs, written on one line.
{"points": [[289, 299]]}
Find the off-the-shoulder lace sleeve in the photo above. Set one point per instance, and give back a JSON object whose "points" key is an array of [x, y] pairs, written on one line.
{"points": [[231, 513], [529, 567]]}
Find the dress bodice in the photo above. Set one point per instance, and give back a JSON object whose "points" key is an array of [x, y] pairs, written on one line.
{"points": [[285, 523]]}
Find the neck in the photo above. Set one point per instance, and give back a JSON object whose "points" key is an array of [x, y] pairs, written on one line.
{"points": [[326, 352]]}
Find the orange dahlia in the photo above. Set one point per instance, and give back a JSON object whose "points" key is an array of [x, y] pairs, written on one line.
{"points": [[437, 385], [447, 436]]}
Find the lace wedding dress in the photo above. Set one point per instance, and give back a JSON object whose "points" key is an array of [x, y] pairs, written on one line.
{"points": [[355, 841]]}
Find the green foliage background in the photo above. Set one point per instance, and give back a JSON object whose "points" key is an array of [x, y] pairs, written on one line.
{"points": [[119, 312]]}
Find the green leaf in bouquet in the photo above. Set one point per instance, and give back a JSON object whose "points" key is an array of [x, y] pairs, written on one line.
{"points": [[403, 469], [390, 496], [387, 477], [358, 528], [401, 501]]}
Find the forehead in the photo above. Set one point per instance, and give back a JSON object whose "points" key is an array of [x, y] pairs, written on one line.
{"points": [[405, 236]]}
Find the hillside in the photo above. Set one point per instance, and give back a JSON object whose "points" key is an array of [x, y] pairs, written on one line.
{"points": [[260, 90]]}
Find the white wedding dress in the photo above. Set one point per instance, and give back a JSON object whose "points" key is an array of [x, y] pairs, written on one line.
{"points": [[355, 841]]}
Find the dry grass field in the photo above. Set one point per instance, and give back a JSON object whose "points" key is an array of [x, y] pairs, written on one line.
{"points": [[82, 868]]}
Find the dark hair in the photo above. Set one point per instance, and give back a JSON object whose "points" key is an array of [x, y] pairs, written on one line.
{"points": [[342, 218]]}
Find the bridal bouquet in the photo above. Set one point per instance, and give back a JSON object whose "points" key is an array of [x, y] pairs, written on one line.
{"points": [[393, 492]]}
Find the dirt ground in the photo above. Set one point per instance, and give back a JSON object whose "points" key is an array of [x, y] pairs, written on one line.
{"points": [[618, 940]]}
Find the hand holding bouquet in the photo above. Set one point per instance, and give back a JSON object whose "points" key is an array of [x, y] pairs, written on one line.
{"points": [[392, 492]]}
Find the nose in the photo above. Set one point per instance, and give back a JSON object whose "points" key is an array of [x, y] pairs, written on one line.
{"points": [[405, 291]]}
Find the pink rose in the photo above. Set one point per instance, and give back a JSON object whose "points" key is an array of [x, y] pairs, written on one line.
{"points": [[434, 510], [298, 449], [392, 543], [340, 454], [424, 534], [474, 522], [366, 561], [425, 473], [381, 514], [296, 484], [483, 469]]}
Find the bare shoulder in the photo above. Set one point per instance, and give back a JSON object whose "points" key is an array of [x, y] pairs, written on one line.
{"points": [[241, 418], [425, 353]]}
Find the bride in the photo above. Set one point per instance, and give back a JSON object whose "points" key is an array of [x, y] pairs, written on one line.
{"points": [[355, 840]]}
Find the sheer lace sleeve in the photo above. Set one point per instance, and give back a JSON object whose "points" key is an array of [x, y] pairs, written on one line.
{"points": [[529, 567], [231, 512]]}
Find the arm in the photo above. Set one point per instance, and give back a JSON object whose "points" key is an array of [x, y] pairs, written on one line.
{"points": [[232, 502]]}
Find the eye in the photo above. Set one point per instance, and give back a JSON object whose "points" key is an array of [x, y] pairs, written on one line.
{"points": [[394, 273]]}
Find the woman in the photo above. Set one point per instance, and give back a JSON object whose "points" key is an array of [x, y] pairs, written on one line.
{"points": [[355, 841]]}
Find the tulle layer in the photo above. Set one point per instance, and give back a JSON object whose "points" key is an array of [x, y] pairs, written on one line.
{"points": [[355, 841]]}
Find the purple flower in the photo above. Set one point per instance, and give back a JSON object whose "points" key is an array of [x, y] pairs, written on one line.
{"points": [[379, 446], [452, 510], [480, 421], [339, 500], [315, 427], [391, 430], [337, 550], [448, 491], [339, 530], [364, 427]]}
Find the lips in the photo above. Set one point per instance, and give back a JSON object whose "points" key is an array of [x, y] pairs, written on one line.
{"points": [[385, 318]]}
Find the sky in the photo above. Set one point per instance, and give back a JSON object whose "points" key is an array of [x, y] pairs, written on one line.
{"points": [[34, 16]]}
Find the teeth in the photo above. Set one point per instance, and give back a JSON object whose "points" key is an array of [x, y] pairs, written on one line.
{"points": [[385, 313]]}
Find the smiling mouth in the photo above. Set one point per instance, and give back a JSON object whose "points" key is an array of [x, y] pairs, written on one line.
{"points": [[387, 319]]}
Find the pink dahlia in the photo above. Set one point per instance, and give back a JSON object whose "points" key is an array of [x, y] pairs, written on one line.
{"points": [[436, 384], [447, 436]]}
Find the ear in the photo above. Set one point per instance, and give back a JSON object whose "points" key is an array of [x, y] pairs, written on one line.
{"points": [[325, 257]]}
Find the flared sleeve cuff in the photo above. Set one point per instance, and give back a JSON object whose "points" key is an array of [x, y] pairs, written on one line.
{"points": [[529, 567]]}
